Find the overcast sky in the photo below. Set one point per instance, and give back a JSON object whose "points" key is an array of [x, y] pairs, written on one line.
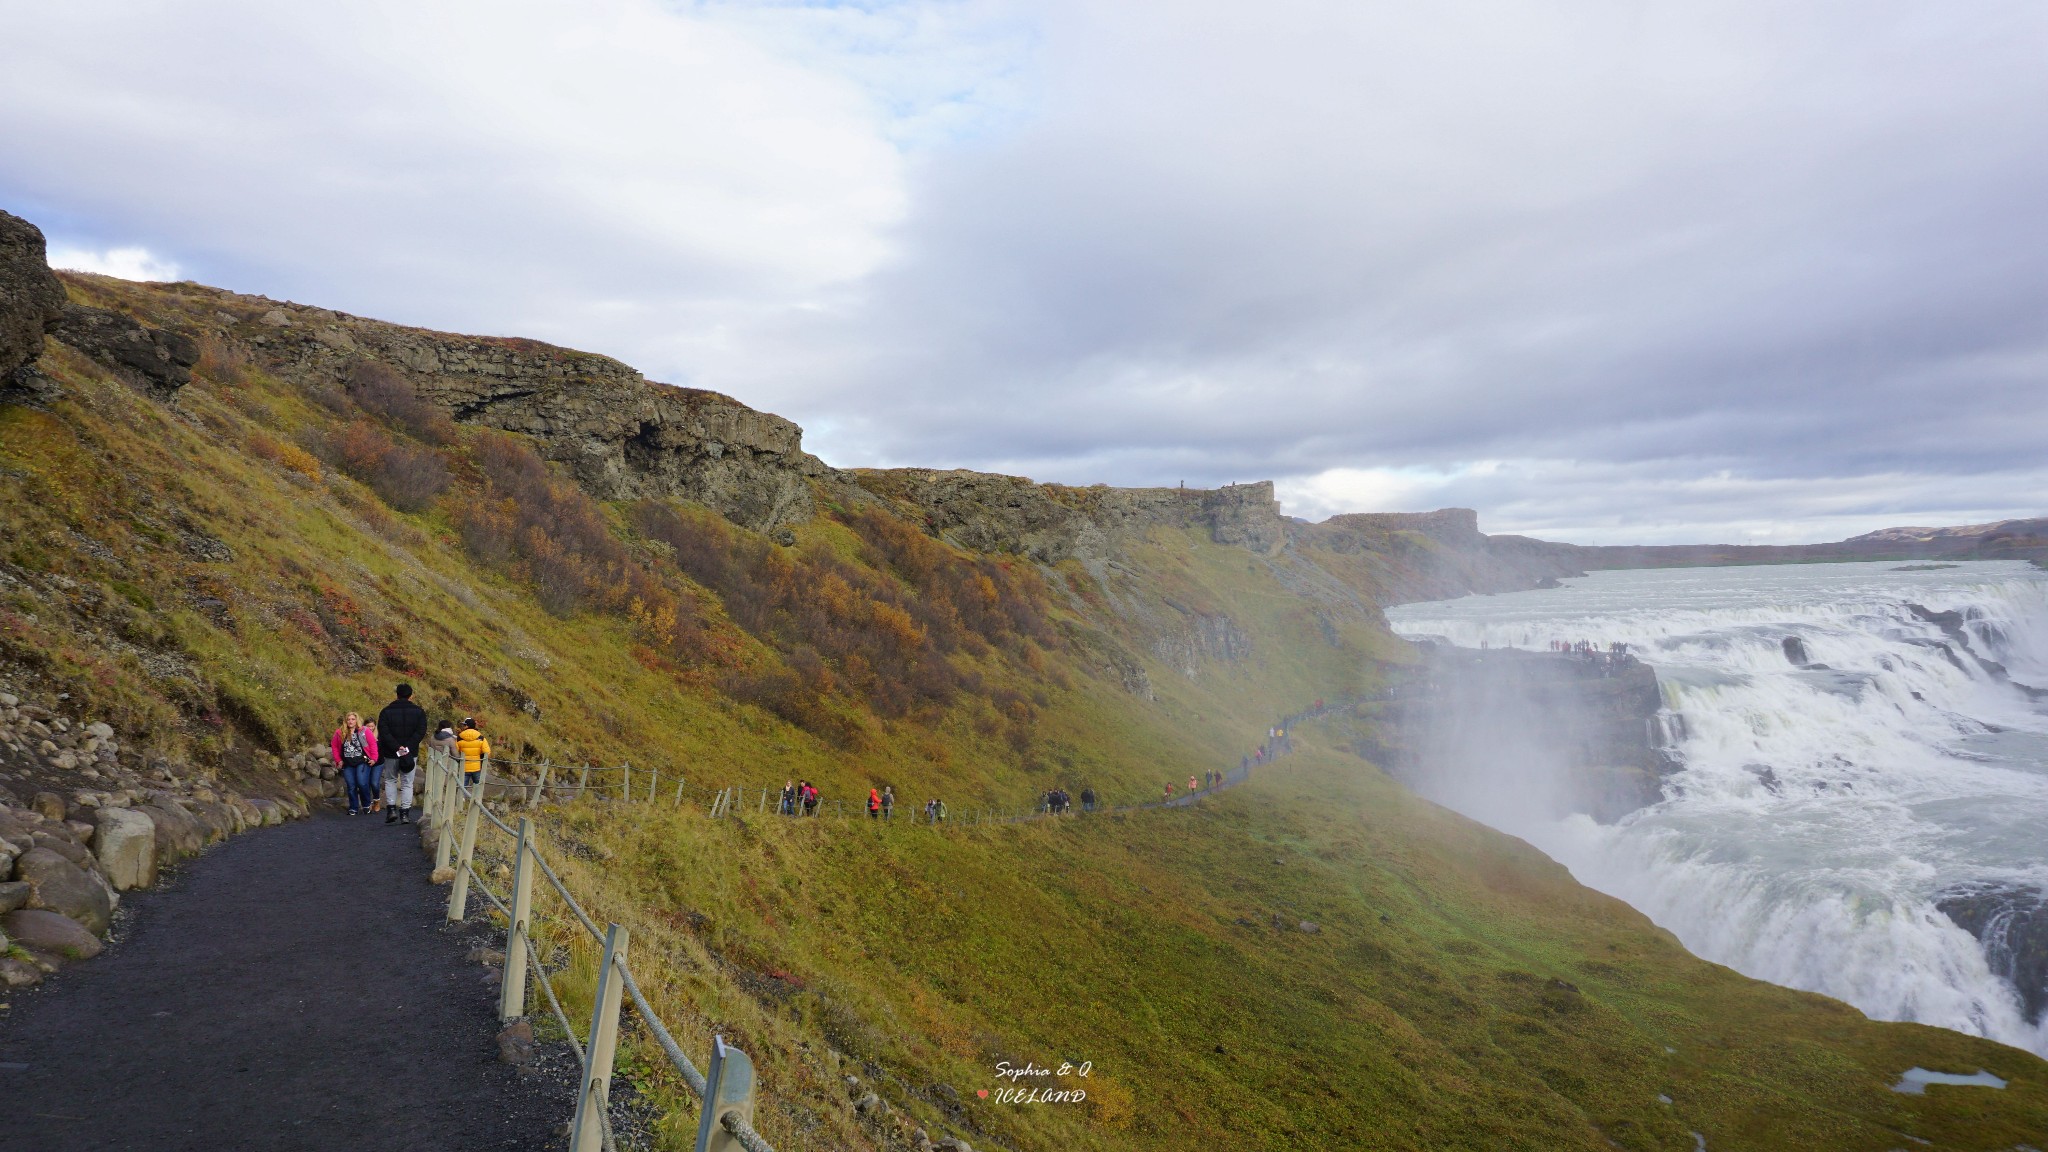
{"points": [[1606, 271]]}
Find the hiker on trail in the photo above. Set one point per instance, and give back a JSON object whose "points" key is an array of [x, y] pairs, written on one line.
{"points": [[404, 725], [888, 802], [874, 804], [354, 748], [1192, 786], [443, 739], [935, 811], [788, 805], [810, 798], [474, 749], [1169, 791], [1088, 799], [374, 776]]}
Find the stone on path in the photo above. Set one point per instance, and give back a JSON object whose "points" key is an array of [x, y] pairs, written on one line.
{"points": [[515, 1044], [18, 973], [125, 843], [61, 886], [43, 931]]}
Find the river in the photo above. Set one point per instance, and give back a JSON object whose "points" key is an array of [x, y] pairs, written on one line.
{"points": [[1822, 811]]}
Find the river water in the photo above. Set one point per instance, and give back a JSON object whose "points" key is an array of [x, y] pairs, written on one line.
{"points": [[1821, 811]]}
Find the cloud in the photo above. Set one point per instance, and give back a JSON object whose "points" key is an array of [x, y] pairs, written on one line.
{"points": [[124, 263], [1602, 270]]}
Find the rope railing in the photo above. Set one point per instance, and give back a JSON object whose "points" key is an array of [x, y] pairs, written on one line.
{"points": [[727, 1092], [455, 809]]}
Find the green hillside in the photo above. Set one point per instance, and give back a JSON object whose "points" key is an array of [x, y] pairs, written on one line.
{"points": [[1315, 960]]}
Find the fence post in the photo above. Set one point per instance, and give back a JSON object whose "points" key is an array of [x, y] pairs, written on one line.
{"points": [[458, 896], [679, 793], [444, 822], [652, 782], [540, 790], [512, 996], [728, 1089], [626, 789], [587, 1130], [582, 781]]}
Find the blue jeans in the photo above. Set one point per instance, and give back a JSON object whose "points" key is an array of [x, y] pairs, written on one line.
{"points": [[355, 779]]}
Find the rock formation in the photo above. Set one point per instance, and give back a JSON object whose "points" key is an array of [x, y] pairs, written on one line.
{"points": [[31, 299]]}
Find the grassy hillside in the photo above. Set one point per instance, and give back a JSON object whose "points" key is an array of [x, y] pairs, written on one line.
{"points": [[220, 575]]}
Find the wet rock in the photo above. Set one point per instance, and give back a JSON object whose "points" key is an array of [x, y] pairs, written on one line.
{"points": [[2011, 922], [1795, 651], [125, 843], [59, 885], [50, 934]]}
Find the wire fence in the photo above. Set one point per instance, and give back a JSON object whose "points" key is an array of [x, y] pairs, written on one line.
{"points": [[455, 811], [456, 808]]}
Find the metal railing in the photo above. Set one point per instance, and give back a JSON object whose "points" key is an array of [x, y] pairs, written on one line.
{"points": [[726, 1117]]}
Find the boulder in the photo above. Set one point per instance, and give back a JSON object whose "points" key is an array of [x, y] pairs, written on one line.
{"points": [[50, 934], [268, 809], [216, 818], [49, 806], [18, 973], [126, 846], [515, 1044], [159, 360], [31, 296], [59, 885], [177, 834], [13, 894], [63, 846]]}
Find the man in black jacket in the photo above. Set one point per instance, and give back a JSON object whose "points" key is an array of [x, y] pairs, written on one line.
{"points": [[401, 729]]}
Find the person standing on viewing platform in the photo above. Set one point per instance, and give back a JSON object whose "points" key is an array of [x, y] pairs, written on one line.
{"points": [[404, 727], [888, 801]]}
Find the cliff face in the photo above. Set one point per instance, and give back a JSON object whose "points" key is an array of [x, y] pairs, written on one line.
{"points": [[1050, 523]]}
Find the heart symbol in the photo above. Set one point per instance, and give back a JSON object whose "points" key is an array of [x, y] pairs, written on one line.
{"points": [[982, 1092]]}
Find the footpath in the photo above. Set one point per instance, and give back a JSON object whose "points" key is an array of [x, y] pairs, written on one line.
{"points": [[293, 988]]}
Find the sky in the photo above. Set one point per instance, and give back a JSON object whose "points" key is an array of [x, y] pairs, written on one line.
{"points": [[1607, 272]]}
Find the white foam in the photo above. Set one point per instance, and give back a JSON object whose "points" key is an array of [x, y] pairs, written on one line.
{"points": [[1894, 772]]}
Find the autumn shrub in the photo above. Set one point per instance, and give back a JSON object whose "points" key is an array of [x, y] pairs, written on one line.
{"points": [[378, 389], [408, 477]]}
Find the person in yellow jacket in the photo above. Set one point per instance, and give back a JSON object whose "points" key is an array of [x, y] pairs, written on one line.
{"points": [[473, 748]]}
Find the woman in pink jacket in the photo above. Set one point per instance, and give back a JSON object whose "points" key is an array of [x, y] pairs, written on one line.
{"points": [[355, 753]]}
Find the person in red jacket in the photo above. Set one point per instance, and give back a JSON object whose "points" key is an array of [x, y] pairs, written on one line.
{"points": [[874, 804], [355, 751]]}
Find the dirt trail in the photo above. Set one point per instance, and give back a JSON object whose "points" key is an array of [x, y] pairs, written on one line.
{"points": [[294, 988]]}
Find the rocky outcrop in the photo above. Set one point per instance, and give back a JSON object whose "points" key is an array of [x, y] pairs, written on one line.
{"points": [[31, 300], [152, 358], [620, 434], [2011, 922], [1050, 523]]}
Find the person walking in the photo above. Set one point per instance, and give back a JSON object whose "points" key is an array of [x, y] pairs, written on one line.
{"points": [[1088, 798], [443, 739], [474, 749], [788, 805], [404, 725], [374, 777], [355, 749], [874, 804], [1192, 787], [888, 802]]}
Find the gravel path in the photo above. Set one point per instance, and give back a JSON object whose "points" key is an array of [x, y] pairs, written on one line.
{"points": [[293, 988]]}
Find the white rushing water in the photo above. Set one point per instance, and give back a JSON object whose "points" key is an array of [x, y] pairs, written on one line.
{"points": [[1820, 810]]}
